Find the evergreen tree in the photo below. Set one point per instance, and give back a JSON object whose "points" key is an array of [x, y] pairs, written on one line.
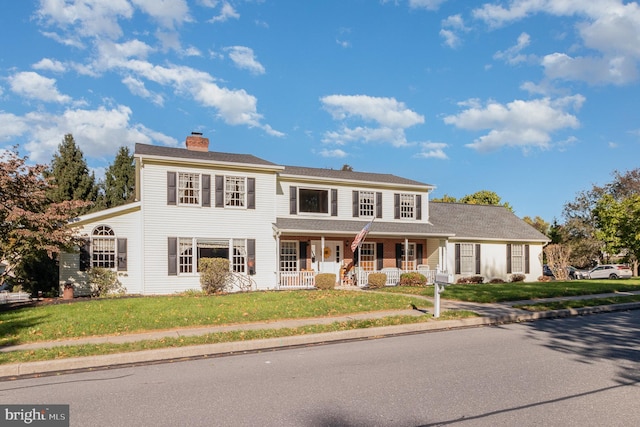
{"points": [[119, 183], [70, 174]]}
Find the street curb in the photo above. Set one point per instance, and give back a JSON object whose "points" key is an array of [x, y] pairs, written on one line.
{"points": [[12, 371]]}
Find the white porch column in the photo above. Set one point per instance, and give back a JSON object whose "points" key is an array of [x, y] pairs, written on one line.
{"points": [[321, 266], [406, 254]]}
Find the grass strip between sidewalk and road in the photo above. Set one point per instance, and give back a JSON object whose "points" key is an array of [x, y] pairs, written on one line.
{"points": [[82, 350]]}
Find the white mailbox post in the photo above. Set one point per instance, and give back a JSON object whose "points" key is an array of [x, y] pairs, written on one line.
{"points": [[442, 279]]}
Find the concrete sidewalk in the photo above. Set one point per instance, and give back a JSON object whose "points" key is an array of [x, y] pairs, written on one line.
{"points": [[490, 314]]}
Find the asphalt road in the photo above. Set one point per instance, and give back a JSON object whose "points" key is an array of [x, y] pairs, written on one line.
{"points": [[580, 371]]}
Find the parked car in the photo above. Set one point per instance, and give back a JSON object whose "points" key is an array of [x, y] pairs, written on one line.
{"points": [[573, 272], [610, 271]]}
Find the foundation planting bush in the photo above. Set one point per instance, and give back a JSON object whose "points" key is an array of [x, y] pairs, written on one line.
{"points": [[413, 279], [215, 276], [377, 280], [326, 281], [472, 279]]}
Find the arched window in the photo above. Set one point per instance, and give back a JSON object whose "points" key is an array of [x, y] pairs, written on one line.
{"points": [[103, 247]]}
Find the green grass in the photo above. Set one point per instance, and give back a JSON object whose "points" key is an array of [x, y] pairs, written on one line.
{"points": [[593, 302], [128, 315], [62, 352], [499, 292]]}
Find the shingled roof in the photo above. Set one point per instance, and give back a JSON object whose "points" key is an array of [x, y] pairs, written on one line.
{"points": [[349, 175], [486, 222], [378, 228], [209, 156]]}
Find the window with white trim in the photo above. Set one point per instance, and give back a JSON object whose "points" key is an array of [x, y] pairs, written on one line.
{"points": [[517, 258], [367, 203], [185, 255], [288, 256], [103, 247], [407, 206], [189, 188], [211, 248], [239, 258], [367, 256], [313, 200], [467, 258], [235, 193]]}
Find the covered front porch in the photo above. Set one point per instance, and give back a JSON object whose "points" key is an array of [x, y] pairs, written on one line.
{"points": [[325, 246]]}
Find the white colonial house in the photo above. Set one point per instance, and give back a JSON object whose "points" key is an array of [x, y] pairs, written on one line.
{"points": [[279, 226]]}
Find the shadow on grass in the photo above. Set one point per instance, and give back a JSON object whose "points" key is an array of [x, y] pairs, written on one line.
{"points": [[15, 320]]}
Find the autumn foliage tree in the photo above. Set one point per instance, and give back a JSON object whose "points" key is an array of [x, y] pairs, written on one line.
{"points": [[29, 221]]}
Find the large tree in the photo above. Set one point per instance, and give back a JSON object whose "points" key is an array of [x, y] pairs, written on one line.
{"points": [[29, 222], [70, 174], [119, 180], [618, 224]]}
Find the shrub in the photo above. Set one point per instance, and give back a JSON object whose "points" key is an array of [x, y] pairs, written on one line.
{"points": [[413, 279], [325, 281], [104, 282], [215, 276], [496, 280], [472, 279], [377, 280], [544, 279], [517, 278]]}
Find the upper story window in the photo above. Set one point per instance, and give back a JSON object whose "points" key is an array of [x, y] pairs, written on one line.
{"points": [[312, 200], [189, 188], [235, 193], [407, 206], [366, 203]]}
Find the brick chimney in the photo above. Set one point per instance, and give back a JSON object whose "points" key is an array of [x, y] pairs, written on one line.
{"points": [[197, 142]]}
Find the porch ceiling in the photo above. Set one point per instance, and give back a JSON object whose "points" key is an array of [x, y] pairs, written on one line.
{"points": [[340, 227]]}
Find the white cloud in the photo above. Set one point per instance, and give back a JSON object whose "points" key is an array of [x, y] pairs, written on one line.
{"points": [[138, 88], [244, 58], [99, 133], [390, 119], [50, 65], [519, 123], [11, 126], [226, 12], [337, 153], [425, 4], [451, 26], [612, 144], [168, 13], [512, 55], [432, 150], [618, 70], [32, 85]]}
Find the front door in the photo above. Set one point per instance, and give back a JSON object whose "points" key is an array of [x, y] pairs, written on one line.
{"points": [[328, 260]]}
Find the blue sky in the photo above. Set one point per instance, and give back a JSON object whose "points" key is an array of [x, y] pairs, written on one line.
{"points": [[535, 100]]}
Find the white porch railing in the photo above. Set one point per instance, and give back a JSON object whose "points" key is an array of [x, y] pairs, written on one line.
{"points": [[296, 279], [306, 279]]}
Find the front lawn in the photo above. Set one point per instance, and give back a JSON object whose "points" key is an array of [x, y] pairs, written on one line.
{"points": [[128, 315], [500, 292]]}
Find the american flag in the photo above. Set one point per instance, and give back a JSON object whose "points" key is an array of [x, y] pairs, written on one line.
{"points": [[361, 235]]}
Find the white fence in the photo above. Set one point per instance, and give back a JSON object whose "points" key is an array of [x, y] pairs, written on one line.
{"points": [[9, 297], [306, 279]]}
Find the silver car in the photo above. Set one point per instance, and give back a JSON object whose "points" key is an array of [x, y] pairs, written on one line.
{"points": [[610, 271]]}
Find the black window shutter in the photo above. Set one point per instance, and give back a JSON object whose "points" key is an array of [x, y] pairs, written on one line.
{"points": [[293, 200], [399, 255], [418, 207], [355, 203], [171, 188], [302, 255], [355, 258], [172, 250], [379, 205], [379, 256], [206, 190], [508, 258], [419, 253], [396, 206], [334, 202], [251, 255], [477, 258], [457, 267], [122, 254], [219, 183], [85, 255], [251, 193], [526, 259]]}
